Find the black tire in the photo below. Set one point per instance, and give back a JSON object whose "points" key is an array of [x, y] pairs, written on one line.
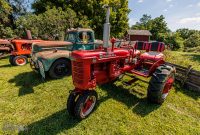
{"points": [[71, 102], [82, 103], [60, 68], [20, 60], [157, 91], [11, 60]]}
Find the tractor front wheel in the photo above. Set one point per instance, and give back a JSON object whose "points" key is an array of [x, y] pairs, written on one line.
{"points": [[71, 102], [20, 60], [161, 84], [85, 104]]}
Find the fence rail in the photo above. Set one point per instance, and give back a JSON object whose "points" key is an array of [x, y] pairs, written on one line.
{"points": [[187, 77]]}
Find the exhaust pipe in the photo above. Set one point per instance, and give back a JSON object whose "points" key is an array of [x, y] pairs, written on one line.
{"points": [[28, 34], [106, 30]]}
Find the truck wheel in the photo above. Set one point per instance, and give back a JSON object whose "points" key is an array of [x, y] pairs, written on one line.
{"points": [[11, 60], [161, 84], [71, 102], [60, 68], [20, 60], [85, 104]]}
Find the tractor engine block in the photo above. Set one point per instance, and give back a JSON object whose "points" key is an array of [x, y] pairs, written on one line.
{"points": [[90, 68]]}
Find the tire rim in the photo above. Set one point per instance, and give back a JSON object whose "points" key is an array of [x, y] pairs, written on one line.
{"points": [[167, 87], [61, 69], [88, 106], [20, 61]]}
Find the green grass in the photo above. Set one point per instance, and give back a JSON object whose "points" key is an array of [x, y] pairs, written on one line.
{"points": [[40, 107]]}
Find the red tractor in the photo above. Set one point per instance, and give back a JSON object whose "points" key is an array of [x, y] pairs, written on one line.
{"points": [[92, 68], [21, 51]]}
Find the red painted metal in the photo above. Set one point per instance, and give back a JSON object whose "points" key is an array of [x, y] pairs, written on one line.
{"points": [[22, 47], [168, 85], [90, 68]]}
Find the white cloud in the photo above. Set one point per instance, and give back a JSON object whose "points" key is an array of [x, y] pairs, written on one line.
{"points": [[190, 6], [198, 14], [140, 1], [171, 5], [165, 10], [190, 20], [168, 0], [198, 4], [132, 21]]}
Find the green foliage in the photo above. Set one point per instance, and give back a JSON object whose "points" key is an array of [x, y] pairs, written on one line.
{"points": [[49, 24], [90, 13], [186, 33], [192, 41], [5, 12], [160, 31]]}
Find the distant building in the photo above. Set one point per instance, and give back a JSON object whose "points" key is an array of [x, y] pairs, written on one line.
{"points": [[138, 35]]}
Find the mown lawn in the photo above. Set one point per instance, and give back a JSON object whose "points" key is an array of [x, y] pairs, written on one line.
{"points": [[29, 105]]}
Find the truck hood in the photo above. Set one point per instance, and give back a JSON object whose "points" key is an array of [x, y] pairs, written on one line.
{"points": [[52, 43]]}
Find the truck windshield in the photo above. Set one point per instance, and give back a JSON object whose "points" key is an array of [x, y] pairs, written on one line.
{"points": [[70, 37]]}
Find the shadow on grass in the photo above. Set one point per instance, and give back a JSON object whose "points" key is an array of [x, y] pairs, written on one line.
{"points": [[5, 66], [195, 57], [193, 94], [26, 81], [51, 125], [129, 97]]}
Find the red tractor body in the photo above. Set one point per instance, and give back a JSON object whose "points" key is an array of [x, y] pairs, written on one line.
{"points": [[92, 68], [97, 67], [21, 51]]}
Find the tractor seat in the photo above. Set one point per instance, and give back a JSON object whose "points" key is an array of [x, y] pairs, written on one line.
{"points": [[153, 56]]}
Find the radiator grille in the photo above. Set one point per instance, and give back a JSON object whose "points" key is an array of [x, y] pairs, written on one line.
{"points": [[78, 72]]}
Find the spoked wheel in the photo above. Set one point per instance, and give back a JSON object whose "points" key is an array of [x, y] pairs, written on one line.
{"points": [[85, 104], [60, 68], [161, 84], [20, 60]]}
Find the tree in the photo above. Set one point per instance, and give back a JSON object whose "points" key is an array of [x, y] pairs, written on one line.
{"points": [[91, 14], [157, 26], [192, 41], [5, 12], [144, 23], [186, 33], [49, 24]]}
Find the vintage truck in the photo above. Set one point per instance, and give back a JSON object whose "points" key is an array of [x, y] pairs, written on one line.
{"points": [[52, 58]]}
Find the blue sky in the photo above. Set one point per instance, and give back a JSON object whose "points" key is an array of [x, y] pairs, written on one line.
{"points": [[178, 13]]}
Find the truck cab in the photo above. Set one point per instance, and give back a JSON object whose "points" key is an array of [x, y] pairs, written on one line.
{"points": [[53, 57]]}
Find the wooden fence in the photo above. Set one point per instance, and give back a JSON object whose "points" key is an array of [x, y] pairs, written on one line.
{"points": [[187, 77]]}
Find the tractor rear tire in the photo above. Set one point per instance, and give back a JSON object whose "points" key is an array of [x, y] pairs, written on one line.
{"points": [[20, 60], [85, 104], [60, 69], [11, 60], [160, 84], [71, 102]]}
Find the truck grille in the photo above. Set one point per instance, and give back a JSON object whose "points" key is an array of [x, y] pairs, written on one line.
{"points": [[78, 72]]}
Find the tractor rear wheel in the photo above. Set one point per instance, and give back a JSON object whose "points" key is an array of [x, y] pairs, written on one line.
{"points": [[85, 104], [60, 68], [161, 84], [71, 102], [20, 60]]}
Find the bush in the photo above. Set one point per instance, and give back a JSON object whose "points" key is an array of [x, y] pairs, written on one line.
{"points": [[192, 42], [49, 24]]}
